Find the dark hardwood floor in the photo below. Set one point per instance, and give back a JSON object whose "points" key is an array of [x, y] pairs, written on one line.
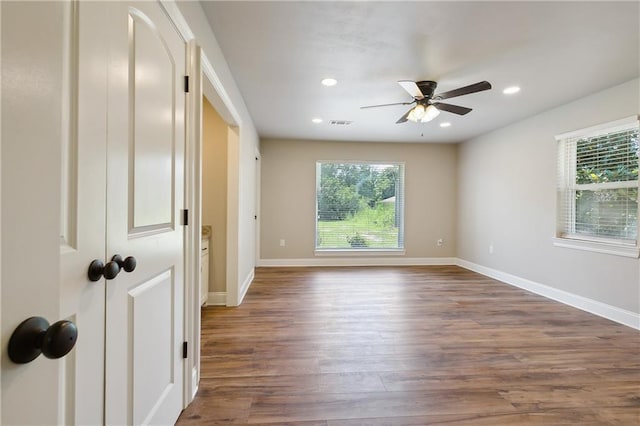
{"points": [[410, 346]]}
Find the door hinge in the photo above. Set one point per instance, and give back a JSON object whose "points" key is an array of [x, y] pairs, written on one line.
{"points": [[185, 352], [186, 84], [185, 217]]}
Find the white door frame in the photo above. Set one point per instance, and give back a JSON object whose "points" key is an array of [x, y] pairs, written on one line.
{"points": [[193, 202], [0, 225], [201, 76], [258, 202], [200, 71]]}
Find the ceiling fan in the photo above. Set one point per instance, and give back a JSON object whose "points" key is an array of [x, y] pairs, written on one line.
{"points": [[428, 105]]}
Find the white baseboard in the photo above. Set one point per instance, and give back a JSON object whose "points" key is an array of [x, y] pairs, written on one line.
{"points": [[217, 298], [612, 313], [245, 285], [359, 261]]}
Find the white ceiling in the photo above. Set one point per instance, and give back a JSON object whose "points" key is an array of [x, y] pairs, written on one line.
{"points": [[555, 51]]}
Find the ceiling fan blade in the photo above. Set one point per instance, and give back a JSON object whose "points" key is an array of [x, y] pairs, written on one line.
{"points": [[404, 117], [456, 109], [412, 88], [384, 105], [472, 88]]}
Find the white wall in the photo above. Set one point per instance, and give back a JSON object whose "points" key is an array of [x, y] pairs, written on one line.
{"points": [[507, 198], [241, 230]]}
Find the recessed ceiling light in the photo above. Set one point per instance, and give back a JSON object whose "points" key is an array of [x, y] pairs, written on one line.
{"points": [[329, 81], [445, 124], [317, 120], [511, 90]]}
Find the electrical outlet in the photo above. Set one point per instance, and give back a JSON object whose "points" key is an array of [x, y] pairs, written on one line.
{"points": [[282, 243], [440, 242]]}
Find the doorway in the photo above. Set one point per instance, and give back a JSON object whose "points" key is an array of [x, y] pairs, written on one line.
{"points": [[212, 143], [214, 205]]}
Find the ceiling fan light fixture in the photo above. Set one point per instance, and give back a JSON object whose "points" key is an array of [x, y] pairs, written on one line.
{"points": [[417, 113], [430, 113]]}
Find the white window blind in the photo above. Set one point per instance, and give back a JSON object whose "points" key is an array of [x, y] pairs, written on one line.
{"points": [[598, 183], [359, 206]]}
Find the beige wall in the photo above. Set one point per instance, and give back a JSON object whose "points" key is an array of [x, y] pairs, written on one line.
{"points": [[214, 193], [507, 198], [288, 184]]}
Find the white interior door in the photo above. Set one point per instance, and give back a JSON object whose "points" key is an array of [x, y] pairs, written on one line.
{"points": [[83, 210], [145, 183], [73, 73], [32, 73], [54, 172]]}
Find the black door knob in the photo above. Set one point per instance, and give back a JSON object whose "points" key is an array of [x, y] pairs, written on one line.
{"points": [[128, 264], [97, 269], [34, 336]]}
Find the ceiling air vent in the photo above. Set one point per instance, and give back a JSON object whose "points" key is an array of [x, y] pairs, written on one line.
{"points": [[340, 122]]}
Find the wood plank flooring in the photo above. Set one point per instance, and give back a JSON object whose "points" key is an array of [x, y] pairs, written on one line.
{"points": [[410, 346]]}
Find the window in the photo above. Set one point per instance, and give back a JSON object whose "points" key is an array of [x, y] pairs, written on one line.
{"points": [[598, 186], [359, 206]]}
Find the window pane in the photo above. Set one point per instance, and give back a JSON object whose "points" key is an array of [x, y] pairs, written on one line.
{"points": [[611, 157], [598, 183], [607, 213], [359, 206]]}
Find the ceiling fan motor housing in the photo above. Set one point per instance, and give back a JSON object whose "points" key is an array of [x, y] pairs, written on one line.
{"points": [[427, 88]]}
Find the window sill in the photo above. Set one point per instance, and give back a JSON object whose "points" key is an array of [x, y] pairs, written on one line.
{"points": [[597, 247], [363, 252]]}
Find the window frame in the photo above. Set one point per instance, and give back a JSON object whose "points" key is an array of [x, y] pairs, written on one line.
{"points": [[400, 250], [566, 188]]}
